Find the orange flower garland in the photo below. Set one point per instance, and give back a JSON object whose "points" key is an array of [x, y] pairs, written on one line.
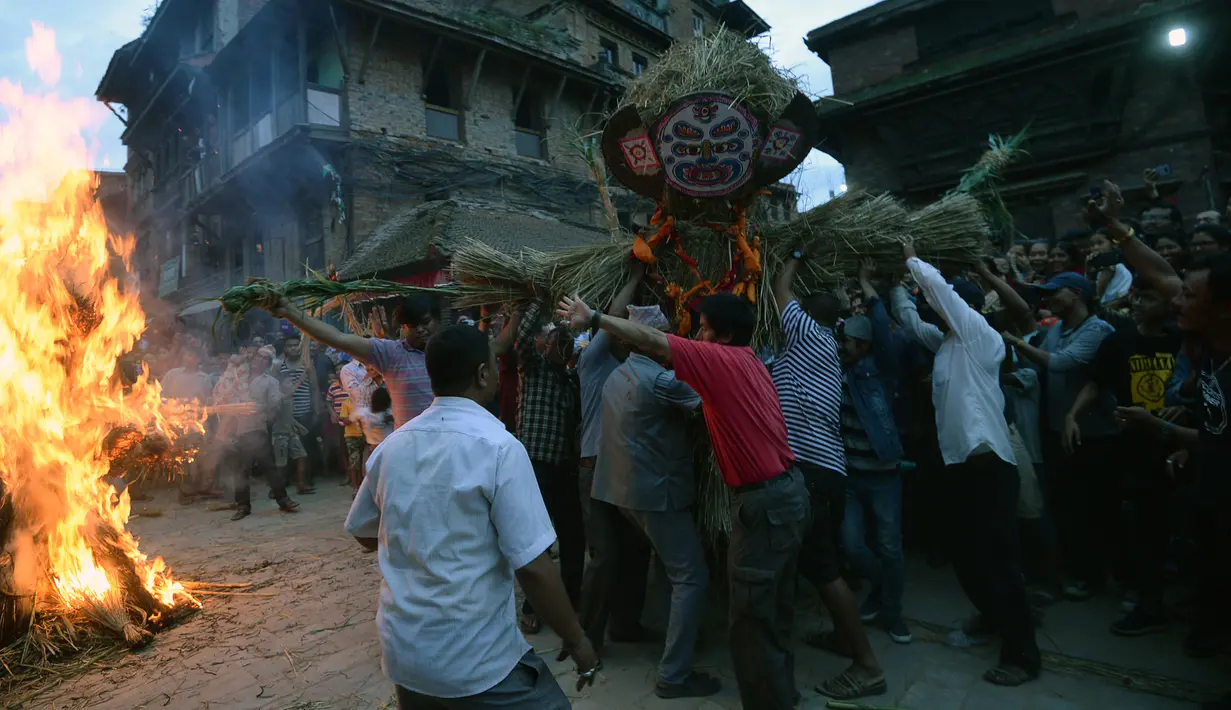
{"points": [[749, 255]]}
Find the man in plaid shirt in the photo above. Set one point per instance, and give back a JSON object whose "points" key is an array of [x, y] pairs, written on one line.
{"points": [[549, 411]]}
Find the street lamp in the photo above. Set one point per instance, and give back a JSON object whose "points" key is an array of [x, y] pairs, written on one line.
{"points": [[1177, 37], [841, 188]]}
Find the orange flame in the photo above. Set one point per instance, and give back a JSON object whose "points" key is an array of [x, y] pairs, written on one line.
{"points": [[65, 319]]}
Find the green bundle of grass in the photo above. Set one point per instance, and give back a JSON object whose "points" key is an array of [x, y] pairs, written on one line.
{"points": [[313, 293], [721, 61]]}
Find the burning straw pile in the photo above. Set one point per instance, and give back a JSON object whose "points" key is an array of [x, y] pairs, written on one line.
{"points": [[72, 579]]}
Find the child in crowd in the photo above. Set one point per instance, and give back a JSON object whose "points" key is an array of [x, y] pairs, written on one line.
{"points": [[377, 420], [353, 436], [286, 432], [335, 434]]}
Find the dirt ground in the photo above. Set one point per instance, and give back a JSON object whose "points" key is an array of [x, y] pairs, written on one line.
{"points": [[302, 636]]}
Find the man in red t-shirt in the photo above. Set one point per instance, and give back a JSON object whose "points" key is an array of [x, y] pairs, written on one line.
{"points": [[769, 504]]}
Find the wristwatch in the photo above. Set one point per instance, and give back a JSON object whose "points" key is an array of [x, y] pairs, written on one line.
{"points": [[797, 254]]}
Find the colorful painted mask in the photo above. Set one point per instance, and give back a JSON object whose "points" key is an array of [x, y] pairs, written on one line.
{"points": [[708, 146]]}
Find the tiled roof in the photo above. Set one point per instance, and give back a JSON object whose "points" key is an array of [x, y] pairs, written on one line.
{"points": [[438, 227]]}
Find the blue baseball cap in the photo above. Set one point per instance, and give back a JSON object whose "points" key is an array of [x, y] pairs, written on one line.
{"points": [[1070, 280]]}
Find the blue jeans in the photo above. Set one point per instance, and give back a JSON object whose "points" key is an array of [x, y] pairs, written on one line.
{"points": [[880, 494]]}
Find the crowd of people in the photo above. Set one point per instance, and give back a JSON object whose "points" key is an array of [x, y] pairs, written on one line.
{"points": [[1051, 421], [276, 410]]}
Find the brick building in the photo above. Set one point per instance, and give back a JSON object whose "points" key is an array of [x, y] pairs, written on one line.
{"points": [[1105, 92], [266, 135]]}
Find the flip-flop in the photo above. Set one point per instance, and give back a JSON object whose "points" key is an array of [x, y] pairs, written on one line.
{"points": [[850, 686], [1009, 676]]}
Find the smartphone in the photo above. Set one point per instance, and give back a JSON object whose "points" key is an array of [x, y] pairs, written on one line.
{"points": [[1164, 170], [1105, 260]]}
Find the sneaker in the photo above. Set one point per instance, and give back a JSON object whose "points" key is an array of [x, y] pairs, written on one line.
{"points": [[698, 685], [1139, 623], [241, 513], [871, 607], [899, 632], [1078, 592], [1129, 602]]}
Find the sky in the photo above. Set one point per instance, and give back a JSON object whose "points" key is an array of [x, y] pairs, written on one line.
{"points": [[88, 31]]}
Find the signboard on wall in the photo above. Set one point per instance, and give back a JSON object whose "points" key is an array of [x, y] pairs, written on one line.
{"points": [[169, 277]]}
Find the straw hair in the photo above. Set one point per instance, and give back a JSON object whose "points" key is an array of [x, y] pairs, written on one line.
{"points": [[721, 61]]}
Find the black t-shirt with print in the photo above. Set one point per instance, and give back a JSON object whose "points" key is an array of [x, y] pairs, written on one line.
{"points": [[1135, 368], [1213, 438]]}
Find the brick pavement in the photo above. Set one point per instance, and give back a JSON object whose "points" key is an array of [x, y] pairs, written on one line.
{"points": [[302, 637]]}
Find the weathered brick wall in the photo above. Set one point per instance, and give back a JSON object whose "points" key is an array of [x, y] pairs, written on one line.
{"points": [[679, 20], [390, 103], [870, 61]]}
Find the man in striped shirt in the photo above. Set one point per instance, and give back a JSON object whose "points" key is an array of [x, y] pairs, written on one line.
{"points": [[808, 378], [305, 405]]}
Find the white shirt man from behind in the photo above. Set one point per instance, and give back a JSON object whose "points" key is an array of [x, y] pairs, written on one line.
{"points": [[974, 441], [452, 506]]}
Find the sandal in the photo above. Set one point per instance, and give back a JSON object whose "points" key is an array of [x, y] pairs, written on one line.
{"points": [[850, 684], [1009, 676], [530, 623], [828, 641]]}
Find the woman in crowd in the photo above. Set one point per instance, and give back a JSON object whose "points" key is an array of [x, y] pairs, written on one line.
{"points": [[1065, 257], [1112, 280], [1174, 249], [1040, 257]]}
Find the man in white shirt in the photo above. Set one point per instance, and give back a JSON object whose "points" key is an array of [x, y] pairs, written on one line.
{"points": [[974, 441], [451, 504]]}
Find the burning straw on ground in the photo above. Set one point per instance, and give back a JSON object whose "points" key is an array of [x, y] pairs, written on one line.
{"points": [[73, 582]]}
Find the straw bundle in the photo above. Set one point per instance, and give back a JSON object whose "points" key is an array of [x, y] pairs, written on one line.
{"points": [[485, 276], [314, 292], [722, 61]]}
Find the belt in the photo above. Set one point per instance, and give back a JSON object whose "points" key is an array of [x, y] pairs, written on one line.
{"points": [[750, 487], [588, 461]]}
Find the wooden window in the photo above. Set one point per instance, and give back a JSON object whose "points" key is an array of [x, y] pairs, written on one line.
{"points": [[698, 24], [609, 52], [530, 126], [639, 65], [441, 94]]}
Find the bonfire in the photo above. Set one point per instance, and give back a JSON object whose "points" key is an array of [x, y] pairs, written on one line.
{"points": [[72, 578]]}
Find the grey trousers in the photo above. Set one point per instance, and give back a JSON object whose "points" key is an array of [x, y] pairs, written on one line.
{"points": [[768, 524], [680, 558], [529, 686]]}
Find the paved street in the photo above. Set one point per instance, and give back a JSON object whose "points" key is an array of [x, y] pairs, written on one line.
{"points": [[302, 636]]}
